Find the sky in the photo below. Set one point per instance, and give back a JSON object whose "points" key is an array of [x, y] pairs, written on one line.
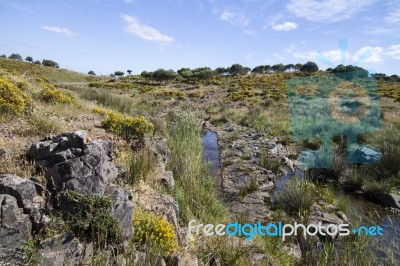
{"points": [[106, 36]]}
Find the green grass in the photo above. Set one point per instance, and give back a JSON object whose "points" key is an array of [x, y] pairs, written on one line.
{"points": [[194, 190], [140, 165]]}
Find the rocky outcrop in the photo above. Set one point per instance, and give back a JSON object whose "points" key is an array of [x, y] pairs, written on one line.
{"points": [[391, 200], [64, 249], [15, 229], [29, 196]]}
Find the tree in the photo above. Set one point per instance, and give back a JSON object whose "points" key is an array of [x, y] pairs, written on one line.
{"points": [[220, 70], [267, 68], [146, 74], [29, 59], [298, 66], [91, 72], [309, 67], [129, 72], [258, 70], [238, 69], [119, 73], [204, 73], [164, 75], [185, 72], [15, 57], [289, 67], [278, 68], [37, 62], [49, 63], [3, 55]]}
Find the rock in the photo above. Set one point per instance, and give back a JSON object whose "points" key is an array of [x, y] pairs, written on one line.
{"points": [[160, 204], [2, 153], [15, 229], [365, 155], [390, 200], [64, 249], [122, 210], [319, 216], [74, 163], [167, 179], [185, 259], [28, 196]]}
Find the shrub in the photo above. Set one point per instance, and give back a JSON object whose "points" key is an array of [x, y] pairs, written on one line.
{"points": [[140, 165], [12, 100], [297, 197], [50, 94], [125, 126], [90, 218], [155, 231]]}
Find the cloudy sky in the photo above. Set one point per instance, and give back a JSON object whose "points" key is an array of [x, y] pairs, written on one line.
{"points": [[105, 35]]}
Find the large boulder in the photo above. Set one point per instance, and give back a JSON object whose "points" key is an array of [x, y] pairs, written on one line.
{"points": [[74, 162], [29, 196], [15, 229]]}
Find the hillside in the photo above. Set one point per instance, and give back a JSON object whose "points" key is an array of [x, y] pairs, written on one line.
{"points": [[112, 168]]}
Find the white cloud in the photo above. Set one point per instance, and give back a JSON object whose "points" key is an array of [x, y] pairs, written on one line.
{"points": [[63, 31], [249, 55], [250, 32], [144, 32], [128, 1], [286, 26], [368, 54], [305, 55], [278, 56], [234, 17], [290, 49], [326, 10], [335, 55], [393, 51], [393, 16]]}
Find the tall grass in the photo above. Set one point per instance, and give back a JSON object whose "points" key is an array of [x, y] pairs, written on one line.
{"points": [[194, 189]]}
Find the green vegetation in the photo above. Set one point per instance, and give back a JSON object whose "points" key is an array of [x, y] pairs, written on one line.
{"points": [[194, 187], [140, 165]]}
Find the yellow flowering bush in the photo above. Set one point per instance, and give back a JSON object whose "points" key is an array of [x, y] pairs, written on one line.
{"points": [[125, 126], [154, 230], [53, 95], [12, 99]]}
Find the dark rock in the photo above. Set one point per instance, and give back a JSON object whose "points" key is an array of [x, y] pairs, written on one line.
{"points": [[2, 153], [388, 200], [365, 155], [15, 229], [122, 209], [28, 196], [64, 249]]}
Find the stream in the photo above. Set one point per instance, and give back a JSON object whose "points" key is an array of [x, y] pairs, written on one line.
{"points": [[360, 211]]}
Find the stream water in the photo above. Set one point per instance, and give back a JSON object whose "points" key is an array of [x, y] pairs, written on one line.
{"points": [[361, 211]]}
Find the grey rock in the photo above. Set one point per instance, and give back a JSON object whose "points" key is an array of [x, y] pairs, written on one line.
{"points": [[64, 249], [167, 179], [28, 196], [122, 210], [15, 229]]}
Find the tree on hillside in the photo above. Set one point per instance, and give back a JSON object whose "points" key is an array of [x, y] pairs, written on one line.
{"points": [[289, 67], [3, 55], [129, 72], [220, 70], [119, 73], [203, 73], [258, 70], [309, 67], [267, 68], [146, 74], [49, 63], [29, 59], [164, 75], [185, 72], [15, 57], [278, 68], [298, 66], [91, 72], [37, 62], [238, 69]]}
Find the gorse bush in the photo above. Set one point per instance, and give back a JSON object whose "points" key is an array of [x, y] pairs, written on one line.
{"points": [[13, 101], [155, 231], [125, 126]]}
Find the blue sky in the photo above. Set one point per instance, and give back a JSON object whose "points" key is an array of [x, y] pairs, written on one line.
{"points": [[105, 35]]}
